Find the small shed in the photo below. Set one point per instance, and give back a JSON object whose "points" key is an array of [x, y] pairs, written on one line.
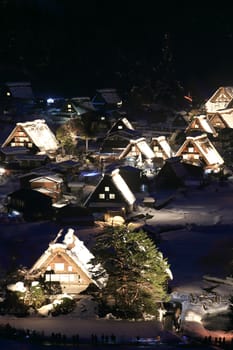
{"points": [[33, 205]]}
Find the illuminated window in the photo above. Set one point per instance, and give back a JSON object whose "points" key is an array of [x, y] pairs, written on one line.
{"points": [[120, 127], [101, 196], [134, 151], [156, 148], [112, 196], [196, 156], [185, 156], [54, 278], [191, 149], [106, 188], [59, 267], [196, 126], [70, 268]]}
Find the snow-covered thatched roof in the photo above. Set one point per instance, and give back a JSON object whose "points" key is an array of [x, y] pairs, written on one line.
{"points": [[205, 148], [227, 117], [75, 249], [142, 147], [39, 133], [163, 143], [201, 122], [220, 99]]}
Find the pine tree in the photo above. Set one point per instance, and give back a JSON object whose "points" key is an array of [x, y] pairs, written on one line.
{"points": [[138, 273]]}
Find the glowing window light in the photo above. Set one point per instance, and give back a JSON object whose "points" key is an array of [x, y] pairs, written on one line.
{"points": [[50, 100], [106, 188], [101, 196], [59, 266], [112, 196], [14, 213], [2, 171]]}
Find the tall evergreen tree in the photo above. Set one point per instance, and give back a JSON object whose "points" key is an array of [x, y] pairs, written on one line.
{"points": [[138, 273]]}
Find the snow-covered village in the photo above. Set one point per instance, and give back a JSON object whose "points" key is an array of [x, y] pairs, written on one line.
{"points": [[62, 189], [116, 176]]}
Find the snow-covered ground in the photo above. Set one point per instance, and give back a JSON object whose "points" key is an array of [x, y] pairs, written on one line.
{"points": [[196, 232]]}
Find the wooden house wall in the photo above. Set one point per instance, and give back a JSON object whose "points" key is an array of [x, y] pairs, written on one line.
{"points": [[217, 121], [133, 152], [219, 100], [194, 125], [157, 149], [55, 191], [20, 138], [50, 185], [189, 152], [68, 273]]}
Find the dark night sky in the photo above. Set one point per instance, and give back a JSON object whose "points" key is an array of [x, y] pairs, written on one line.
{"points": [[59, 41]]}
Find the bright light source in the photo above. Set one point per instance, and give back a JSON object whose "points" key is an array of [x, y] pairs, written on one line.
{"points": [[13, 214], [2, 171], [50, 100]]}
